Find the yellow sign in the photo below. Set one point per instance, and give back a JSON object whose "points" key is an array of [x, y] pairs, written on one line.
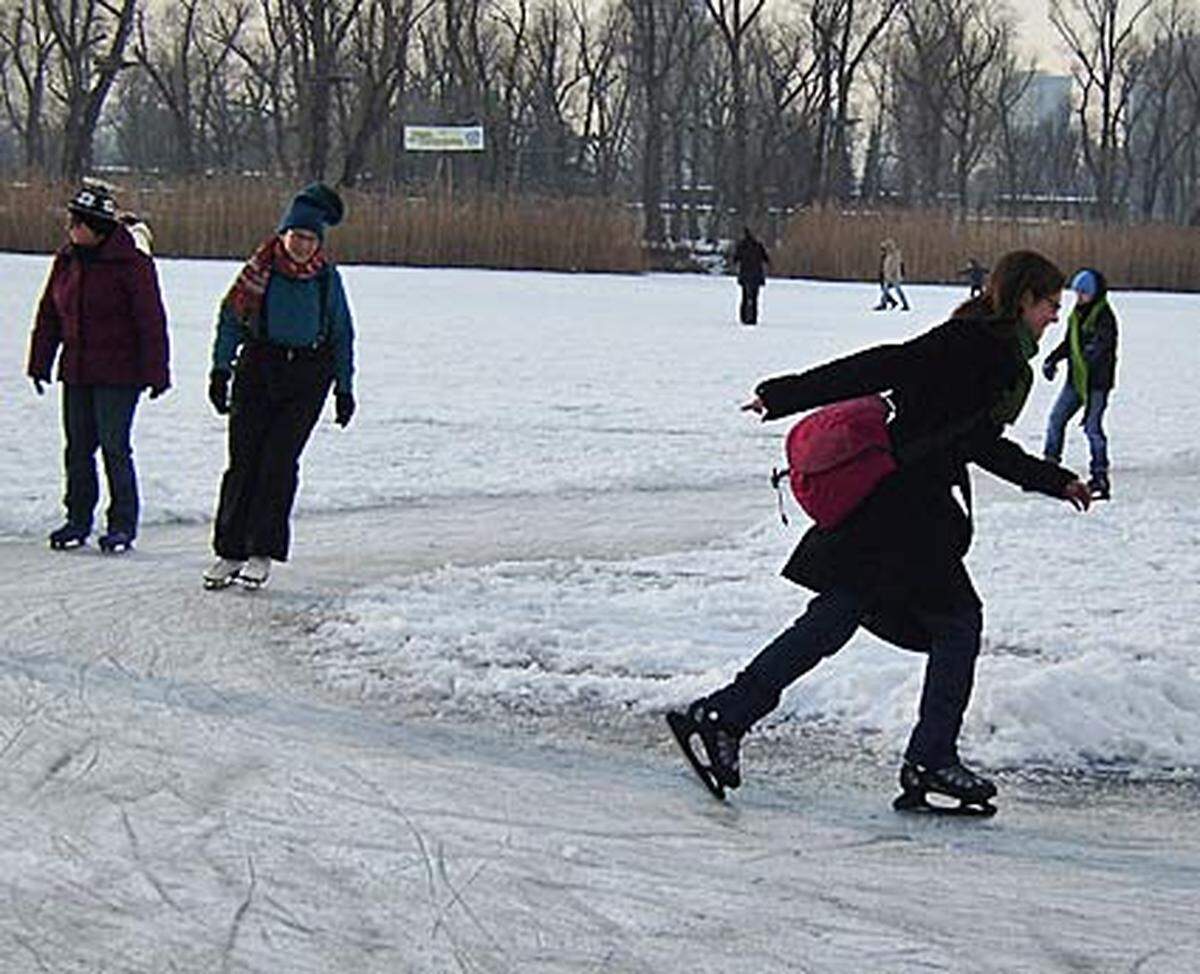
{"points": [[443, 138]]}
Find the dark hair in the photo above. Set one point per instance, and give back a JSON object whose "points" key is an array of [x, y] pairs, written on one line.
{"points": [[1017, 273]]}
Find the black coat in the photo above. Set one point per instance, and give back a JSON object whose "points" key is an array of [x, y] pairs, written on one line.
{"points": [[751, 258], [904, 546]]}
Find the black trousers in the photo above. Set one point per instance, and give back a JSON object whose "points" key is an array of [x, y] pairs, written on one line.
{"points": [[277, 398], [749, 309], [825, 627], [100, 417]]}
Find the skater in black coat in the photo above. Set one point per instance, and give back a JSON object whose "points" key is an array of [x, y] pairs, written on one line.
{"points": [[751, 258], [895, 565]]}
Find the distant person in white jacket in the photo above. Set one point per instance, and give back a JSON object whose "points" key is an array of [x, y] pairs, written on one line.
{"points": [[891, 273]]}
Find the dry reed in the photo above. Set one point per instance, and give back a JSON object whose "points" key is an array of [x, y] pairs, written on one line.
{"points": [[227, 218], [845, 246]]}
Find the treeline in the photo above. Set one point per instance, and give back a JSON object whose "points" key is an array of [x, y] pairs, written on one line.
{"points": [[735, 110]]}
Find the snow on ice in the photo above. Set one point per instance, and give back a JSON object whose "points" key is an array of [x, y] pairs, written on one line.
{"points": [[478, 383]]}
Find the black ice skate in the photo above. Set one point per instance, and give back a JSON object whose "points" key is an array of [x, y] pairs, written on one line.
{"points": [[712, 748], [1100, 488], [918, 782], [68, 536], [116, 542]]}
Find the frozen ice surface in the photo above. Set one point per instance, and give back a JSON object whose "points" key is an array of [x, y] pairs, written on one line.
{"points": [[434, 743]]}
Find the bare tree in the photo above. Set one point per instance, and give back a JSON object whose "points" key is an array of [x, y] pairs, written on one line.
{"points": [[733, 24], [844, 32], [90, 37], [922, 52], [1101, 35], [1164, 113], [657, 32], [26, 49], [379, 62], [184, 56], [605, 115], [981, 42], [785, 97]]}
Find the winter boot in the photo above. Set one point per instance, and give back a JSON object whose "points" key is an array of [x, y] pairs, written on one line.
{"points": [[115, 542], [68, 536], [711, 746], [1100, 487], [222, 573], [973, 792], [256, 572]]}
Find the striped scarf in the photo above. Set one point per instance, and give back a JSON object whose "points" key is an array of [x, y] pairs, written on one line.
{"points": [[247, 292]]}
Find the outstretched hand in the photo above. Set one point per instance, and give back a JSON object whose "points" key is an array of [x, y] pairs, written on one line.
{"points": [[38, 385], [755, 405], [1078, 494]]}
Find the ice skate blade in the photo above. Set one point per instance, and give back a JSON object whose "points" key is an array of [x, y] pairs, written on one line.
{"points": [[684, 730], [217, 584], [252, 584], [66, 545], [116, 549], [917, 802]]}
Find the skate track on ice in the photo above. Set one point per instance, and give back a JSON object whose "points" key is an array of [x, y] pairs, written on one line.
{"points": [[178, 797]]}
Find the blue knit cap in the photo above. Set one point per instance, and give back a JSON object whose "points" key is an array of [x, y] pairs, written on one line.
{"points": [[314, 208], [1085, 283]]}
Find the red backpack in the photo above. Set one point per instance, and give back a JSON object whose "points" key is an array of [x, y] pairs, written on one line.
{"points": [[837, 455]]}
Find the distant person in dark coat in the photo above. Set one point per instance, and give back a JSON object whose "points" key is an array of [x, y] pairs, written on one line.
{"points": [[102, 314], [284, 337], [751, 258], [895, 566], [1090, 348], [976, 275]]}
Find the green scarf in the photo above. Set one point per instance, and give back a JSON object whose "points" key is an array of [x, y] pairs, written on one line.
{"points": [[1012, 400], [1078, 330]]}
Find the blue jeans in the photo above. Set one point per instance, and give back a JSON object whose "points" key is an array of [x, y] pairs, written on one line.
{"points": [[1067, 405], [826, 626], [100, 416], [887, 299]]}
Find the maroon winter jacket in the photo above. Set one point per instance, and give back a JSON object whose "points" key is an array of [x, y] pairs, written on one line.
{"points": [[103, 306]]}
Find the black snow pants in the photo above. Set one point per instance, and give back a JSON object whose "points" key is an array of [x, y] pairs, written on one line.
{"points": [[749, 307], [278, 394]]}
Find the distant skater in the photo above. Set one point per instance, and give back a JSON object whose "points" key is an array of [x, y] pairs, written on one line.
{"points": [[751, 258], [895, 564], [891, 274], [976, 275], [284, 336], [1090, 348]]}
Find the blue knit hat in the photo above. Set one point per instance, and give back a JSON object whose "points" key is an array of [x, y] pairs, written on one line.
{"points": [[314, 208], [1085, 283]]}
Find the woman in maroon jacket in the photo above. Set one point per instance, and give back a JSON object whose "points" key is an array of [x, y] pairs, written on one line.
{"points": [[102, 306]]}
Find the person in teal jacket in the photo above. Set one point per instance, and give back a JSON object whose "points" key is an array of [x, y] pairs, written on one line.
{"points": [[284, 336], [1090, 347]]}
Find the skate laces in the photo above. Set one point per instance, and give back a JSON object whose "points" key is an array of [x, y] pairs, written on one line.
{"points": [[723, 743], [963, 778]]}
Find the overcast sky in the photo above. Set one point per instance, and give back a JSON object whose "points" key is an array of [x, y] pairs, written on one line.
{"points": [[1037, 36]]}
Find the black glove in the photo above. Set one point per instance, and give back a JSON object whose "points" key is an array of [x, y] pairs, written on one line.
{"points": [[218, 390], [156, 391], [1048, 368], [38, 384], [343, 408]]}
